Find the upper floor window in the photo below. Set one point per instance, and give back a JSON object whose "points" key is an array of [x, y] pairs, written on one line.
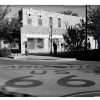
{"points": [[39, 20], [29, 19], [50, 21], [59, 22]]}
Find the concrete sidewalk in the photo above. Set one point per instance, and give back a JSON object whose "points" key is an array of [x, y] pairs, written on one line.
{"points": [[39, 57]]}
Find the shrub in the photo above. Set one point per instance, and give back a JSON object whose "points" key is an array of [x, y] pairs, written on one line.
{"points": [[4, 52]]}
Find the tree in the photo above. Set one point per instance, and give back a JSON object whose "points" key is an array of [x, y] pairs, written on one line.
{"points": [[3, 21], [75, 37], [69, 13], [3, 12], [9, 30], [94, 22], [13, 31]]}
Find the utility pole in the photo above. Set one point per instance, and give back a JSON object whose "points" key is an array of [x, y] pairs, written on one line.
{"points": [[86, 31]]}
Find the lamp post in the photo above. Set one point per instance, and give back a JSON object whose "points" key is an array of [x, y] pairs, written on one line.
{"points": [[51, 39], [51, 25]]}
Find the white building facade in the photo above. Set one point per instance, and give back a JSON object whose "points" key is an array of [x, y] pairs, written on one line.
{"points": [[36, 29]]}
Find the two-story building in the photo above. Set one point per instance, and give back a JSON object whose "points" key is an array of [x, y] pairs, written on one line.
{"points": [[36, 30]]}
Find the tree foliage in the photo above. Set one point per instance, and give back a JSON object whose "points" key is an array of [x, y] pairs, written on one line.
{"points": [[4, 22], [3, 12], [75, 37], [9, 30], [13, 30], [94, 22], [69, 13]]}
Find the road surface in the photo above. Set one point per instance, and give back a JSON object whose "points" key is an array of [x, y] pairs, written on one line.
{"points": [[49, 77]]}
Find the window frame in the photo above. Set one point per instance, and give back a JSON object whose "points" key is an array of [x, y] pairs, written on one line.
{"points": [[59, 22], [29, 19], [40, 22], [50, 21]]}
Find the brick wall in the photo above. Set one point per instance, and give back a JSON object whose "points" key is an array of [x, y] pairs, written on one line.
{"points": [[34, 14], [34, 29]]}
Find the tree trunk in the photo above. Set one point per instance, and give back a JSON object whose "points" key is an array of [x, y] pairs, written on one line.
{"points": [[98, 40]]}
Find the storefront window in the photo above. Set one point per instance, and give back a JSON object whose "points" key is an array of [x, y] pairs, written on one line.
{"points": [[40, 43], [31, 43], [35, 43], [57, 42]]}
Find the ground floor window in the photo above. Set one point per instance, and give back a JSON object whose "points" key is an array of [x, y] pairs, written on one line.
{"points": [[57, 41], [35, 43]]}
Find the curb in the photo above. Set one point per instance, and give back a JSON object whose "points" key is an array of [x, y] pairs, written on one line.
{"points": [[17, 57], [84, 94], [10, 57], [39, 58], [88, 59]]}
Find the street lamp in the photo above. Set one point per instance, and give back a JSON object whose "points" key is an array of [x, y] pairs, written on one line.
{"points": [[51, 25]]}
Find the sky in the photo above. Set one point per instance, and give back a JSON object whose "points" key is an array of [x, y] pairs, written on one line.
{"points": [[79, 9]]}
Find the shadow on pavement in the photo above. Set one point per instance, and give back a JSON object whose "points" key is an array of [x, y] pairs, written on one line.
{"points": [[89, 55]]}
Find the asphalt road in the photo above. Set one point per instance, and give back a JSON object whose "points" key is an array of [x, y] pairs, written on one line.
{"points": [[61, 61], [48, 77]]}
